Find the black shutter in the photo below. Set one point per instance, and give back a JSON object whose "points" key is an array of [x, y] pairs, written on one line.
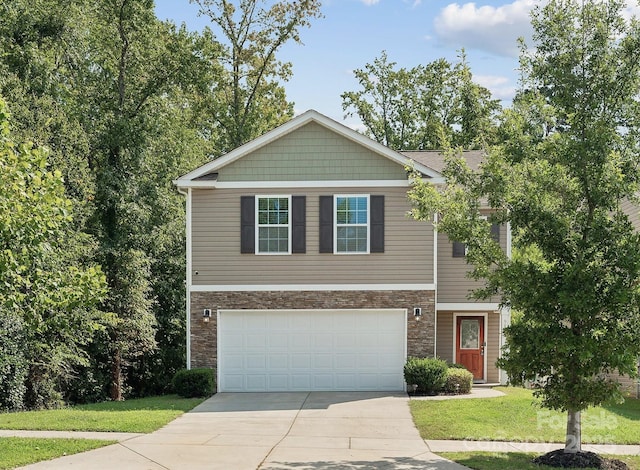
{"points": [[247, 224], [326, 224], [458, 250], [298, 224], [495, 232], [377, 224]]}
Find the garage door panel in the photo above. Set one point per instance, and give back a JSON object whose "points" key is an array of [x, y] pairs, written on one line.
{"points": [[368, 340], [233, 383], [256, 361], [346, 382], [367, 362], [301, 382], [300, 361], [302, 350], [299, 341], [278, 382], [278, 361], [322, 362], [346, 362], [256, 383], [255, 342], [322, 341]]}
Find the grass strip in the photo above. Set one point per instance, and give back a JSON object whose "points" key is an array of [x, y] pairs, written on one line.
{"points": [[137, 415], [516, 417], [19, 451]]}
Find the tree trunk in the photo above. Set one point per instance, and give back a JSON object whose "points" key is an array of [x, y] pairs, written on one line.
{"points": [[573, 441], [116, 376]]}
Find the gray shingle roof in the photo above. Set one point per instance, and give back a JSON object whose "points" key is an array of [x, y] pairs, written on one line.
{"points": [[434, 159]]}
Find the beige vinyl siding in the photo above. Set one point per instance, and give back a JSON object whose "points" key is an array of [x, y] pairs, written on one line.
{"points": [[312, 153], [493, 347], [453, 284], [629, 386], [444, 344], [632, 211], [408, 256]]}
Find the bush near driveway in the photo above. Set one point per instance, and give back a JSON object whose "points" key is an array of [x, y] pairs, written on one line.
{"points": [[458, 381], [432, 376], [194, 382]]}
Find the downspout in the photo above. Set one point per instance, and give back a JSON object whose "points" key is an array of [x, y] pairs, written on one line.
{"points": [[435, 284], [188, 272]]}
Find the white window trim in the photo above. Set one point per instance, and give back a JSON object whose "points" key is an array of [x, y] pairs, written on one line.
{"points": [[335, 225], [258, 225]]}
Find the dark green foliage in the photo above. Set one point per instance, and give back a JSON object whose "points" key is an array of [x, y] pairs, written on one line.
{"points": [[566, 180], [429, 374], [458, 380], [414, 109], [13, 363], [194, 382], [455, 365]]}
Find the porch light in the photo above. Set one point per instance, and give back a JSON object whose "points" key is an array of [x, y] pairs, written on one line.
{"points": [[206, 315], [417, 312]]}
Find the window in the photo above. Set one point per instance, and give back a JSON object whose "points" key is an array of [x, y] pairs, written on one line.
{"points": [[273, 230], [460, 249], [352, 224]]}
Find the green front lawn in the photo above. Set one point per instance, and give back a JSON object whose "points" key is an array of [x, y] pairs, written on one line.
{"points": [[19, 451], [137, 415], [512, 460], [515, 417]]}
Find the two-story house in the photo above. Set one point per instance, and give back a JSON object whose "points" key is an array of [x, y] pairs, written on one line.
{"points": [[304, 271]]}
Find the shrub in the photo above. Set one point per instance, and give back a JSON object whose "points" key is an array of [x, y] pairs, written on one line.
{"points": [[455, 365], [458, 381], [194, 383], [428, 374]]}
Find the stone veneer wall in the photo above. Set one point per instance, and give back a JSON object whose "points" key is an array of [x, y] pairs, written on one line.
{"points": [[420, 333]]}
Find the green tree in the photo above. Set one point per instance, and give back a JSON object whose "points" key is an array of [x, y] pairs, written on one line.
{"points": [[249, 99], [48, 295], [568, 163], [122, 100], [410, 109], [142, 64]]}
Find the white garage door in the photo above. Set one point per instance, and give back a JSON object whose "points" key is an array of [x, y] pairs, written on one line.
{"points": [[291, 350]]}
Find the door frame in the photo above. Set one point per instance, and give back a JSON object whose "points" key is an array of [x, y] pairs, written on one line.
{"points": [[485, 316]]}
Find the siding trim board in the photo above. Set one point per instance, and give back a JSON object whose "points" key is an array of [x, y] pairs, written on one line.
{"points": [[304, 184], [310, 287], [469, 307]]}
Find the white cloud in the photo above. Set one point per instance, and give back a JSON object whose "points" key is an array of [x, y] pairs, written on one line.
{"points": [[501, 87], [369, 2], [489, 28]]}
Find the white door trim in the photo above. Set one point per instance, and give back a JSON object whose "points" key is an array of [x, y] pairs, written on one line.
{"points": [[486, 334]]}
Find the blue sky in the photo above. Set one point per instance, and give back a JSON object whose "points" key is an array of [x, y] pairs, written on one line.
{"points": [[354, 32]]}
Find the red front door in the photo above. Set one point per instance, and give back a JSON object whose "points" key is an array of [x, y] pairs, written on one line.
{"points": [[470, 345]]}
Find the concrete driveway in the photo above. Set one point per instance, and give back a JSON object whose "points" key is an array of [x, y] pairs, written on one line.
{"points": [[238, 431]]}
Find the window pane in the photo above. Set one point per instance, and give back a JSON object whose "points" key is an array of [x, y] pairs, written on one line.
{"points": [[273, 225], [469, 334]]}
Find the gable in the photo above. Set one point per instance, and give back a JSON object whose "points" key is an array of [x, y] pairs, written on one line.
{"points": [[311, 153]]}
